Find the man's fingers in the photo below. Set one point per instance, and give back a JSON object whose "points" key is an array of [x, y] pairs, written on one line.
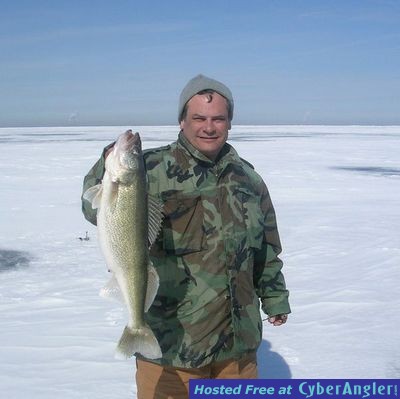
{"points": [[278, 320]]}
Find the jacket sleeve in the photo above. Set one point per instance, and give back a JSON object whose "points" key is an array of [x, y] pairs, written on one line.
{"points": [[268, 278], [95, 176]]}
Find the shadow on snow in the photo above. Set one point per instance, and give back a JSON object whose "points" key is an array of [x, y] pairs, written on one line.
{"points": [[373, 170], [11, 259], [271, 365]]}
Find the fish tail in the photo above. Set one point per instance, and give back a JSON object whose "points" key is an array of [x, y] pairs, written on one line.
{"points": [[138, 340]]}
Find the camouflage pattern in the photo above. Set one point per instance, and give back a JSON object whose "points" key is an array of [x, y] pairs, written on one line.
{"points": [[217, 254]]}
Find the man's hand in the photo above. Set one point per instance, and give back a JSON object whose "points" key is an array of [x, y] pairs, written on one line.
{"points": [[278, 320]]}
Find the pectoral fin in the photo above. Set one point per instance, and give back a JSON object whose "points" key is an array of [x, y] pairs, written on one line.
{"points": [[93, 195]]}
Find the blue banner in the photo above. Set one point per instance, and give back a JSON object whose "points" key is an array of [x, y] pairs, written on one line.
{"points": [[293, 389]]}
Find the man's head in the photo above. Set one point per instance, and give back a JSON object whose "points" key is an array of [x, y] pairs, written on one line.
{"points": [[205, 114], [201, 83]]}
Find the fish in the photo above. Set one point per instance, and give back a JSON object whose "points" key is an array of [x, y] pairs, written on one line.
{"points": [[128, 223]]}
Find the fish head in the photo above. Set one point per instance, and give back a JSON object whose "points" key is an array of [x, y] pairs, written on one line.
{"points": [[125, 160]]}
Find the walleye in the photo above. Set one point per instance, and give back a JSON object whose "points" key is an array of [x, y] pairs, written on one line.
{"points": [[128, 222]]}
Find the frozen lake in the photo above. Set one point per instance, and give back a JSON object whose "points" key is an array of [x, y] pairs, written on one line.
{"points": [[336, 190]]}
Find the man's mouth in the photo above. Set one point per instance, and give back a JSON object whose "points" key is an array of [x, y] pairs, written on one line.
{"points": [[210, 138]]}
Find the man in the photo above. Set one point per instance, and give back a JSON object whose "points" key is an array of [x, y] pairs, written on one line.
{"points": [[217, 253]]}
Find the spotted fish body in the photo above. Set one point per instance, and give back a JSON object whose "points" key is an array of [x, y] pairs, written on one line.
{"points": [[123, 218]]}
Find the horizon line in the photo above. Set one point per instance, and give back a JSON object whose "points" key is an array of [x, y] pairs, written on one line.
{"points": [[177, 125]]}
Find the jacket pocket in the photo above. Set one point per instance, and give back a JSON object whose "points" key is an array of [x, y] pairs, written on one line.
{"points": [[183, 231], [252, 216]]}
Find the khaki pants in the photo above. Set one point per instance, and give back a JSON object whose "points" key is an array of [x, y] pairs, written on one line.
{"points": [[163, 382]]}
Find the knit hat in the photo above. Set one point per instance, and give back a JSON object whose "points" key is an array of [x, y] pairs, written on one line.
{"points": [[200, 83]]}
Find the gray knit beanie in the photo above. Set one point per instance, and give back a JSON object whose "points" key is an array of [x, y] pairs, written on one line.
{"points": [[200, 83]]}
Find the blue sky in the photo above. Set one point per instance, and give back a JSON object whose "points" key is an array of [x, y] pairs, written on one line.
{"points": [[124, 62]]}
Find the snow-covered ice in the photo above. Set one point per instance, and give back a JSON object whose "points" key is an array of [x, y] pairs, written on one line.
{"points": [[336, 190]]}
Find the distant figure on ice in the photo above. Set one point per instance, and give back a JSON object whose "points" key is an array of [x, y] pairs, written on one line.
{"points": [[216, 254]]}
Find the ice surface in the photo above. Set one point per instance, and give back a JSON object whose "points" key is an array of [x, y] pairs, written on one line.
{"points": [[336, 190]]}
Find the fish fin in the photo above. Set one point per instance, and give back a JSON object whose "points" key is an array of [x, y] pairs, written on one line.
{"points": [[138, 340], [153, 281], [93, 195], [112, 290], [155, 207]]}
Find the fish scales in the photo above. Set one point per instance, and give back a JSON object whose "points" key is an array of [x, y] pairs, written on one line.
{"points": [[131, 232]]}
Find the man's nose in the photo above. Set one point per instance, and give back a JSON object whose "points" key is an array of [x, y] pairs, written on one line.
{"points": [[209, 126]]}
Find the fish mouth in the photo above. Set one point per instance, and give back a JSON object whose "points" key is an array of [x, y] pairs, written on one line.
{"points": [[129, 142], [136, 139], [136, 146], [128, 149]]}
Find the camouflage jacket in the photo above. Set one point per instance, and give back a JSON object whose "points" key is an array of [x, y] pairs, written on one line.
{"points": [[217, 254]]}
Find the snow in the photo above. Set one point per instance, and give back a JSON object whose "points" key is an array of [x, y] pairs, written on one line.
{"points": [[336, 191]]}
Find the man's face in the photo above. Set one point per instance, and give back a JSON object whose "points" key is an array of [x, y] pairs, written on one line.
{"points": [[206, 124]]}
